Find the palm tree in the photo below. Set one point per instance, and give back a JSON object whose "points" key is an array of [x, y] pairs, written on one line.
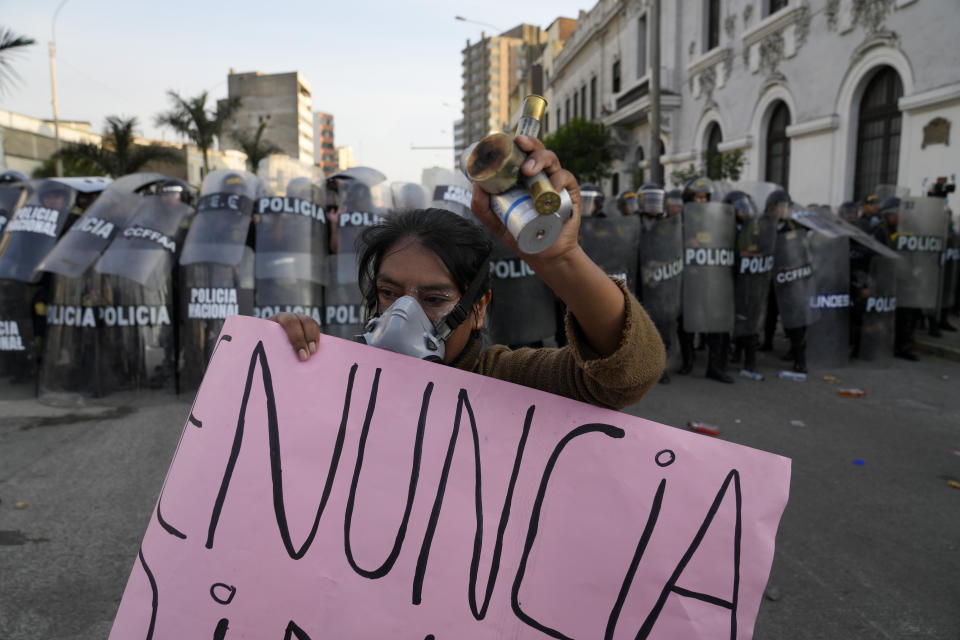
{"points": [[191, 119], [254, 146], [10, 45], [119, 155]]}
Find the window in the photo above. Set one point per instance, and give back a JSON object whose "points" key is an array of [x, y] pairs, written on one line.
{"points": [[615, 184], [546, 122], [593, 98], [778, 147], [566, 109], [642, 47], [576, 106], [712, 27], [712, 155], [559, 119], [616, 77], [772, 6], [583, 102], [878, 133]]}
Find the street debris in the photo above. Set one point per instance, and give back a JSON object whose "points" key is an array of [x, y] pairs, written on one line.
{"points": [[797, 423], [20, 505], [859, 462], [851, 393], [831, 379], [792, 375], [704, 428]]}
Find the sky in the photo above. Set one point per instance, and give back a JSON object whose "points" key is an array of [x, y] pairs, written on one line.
{"points": [[388, 71]]}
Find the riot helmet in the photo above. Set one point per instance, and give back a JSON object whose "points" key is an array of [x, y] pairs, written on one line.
{"points": [[591, 199], [889, 209], [233, 183], [698, 190], [650, 198], [173, 190], [12, 175], [743, 205], [305, 189], [54, 195], [778, 204], [627, 203], [848, 212], [358, 197], [674, 202]]}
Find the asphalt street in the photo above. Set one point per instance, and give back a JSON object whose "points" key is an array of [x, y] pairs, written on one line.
{"points": [[868, 546]]}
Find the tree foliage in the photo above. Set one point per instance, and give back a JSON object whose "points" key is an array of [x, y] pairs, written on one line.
{"points": [[190, 118], [72, 167], [255, 146], [584, 148], [119, 155], [719, 166], [11, 44]]}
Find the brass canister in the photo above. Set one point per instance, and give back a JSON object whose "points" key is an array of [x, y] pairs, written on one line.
{"points": [[494, 163], [546, 200], [531, 116]]}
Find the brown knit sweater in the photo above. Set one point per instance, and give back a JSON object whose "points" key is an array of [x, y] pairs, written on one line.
{"points": [[577, 371]]}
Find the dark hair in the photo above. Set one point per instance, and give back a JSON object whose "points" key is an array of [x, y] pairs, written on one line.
{"points": [[460, 244]]}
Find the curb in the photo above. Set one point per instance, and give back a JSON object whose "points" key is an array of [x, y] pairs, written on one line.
{"points": [[938, 349]]}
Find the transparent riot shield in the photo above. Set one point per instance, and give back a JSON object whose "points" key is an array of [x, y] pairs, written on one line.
{"points": [[34, 229], [756, 241], [137, 333], [950, 270], [18, 333], [708, 263], [209, 294], [453, 197], [828, 343], [11, 197], [875, 306], [407, 195], [344, 315], [661, 269], [757, 190], [612, 243], [291, 254], [522, 308], [91, 234], [793, 278], [218, 235], [920, 239]]}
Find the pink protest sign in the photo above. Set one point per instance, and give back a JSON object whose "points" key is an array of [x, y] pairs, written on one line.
{"points": [[364, 494]]}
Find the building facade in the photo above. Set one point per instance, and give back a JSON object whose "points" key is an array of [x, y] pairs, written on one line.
{"points": [[324, 150], [828, 98], [284, 101], [490, 73]]}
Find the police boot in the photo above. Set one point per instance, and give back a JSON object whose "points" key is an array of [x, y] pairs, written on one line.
{"points": [[737, 351], [716, 362], [686, 353], [800, 358], [750, 358]]}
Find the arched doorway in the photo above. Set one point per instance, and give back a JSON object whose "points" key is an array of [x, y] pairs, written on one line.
{"points": [[878, 133], [712, 156], [778, 146]]}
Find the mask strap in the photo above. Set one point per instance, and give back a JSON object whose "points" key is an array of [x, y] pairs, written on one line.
{"points": [[455, 318]]}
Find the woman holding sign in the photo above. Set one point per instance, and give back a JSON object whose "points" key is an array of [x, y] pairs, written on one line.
{"points": [[426, 283]]}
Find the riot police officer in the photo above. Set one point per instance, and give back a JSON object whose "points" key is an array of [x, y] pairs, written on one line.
{"points": [[627, 203], [906, 318], [700, 190], [591, 200]]}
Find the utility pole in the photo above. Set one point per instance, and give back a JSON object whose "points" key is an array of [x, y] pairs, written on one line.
{"points": [[53, 86], [656, 171]]}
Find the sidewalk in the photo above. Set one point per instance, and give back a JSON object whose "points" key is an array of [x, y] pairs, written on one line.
{"points": [[947, 346]]}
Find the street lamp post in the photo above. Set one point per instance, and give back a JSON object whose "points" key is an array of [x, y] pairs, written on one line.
{"points": [[53, 85], [483, 24]]}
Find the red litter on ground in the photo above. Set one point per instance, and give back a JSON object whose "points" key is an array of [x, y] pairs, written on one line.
{"points": [[851, 393], [704, 428]]}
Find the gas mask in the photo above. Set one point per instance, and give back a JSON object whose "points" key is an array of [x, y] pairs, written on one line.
{"points": [[404, 326]]}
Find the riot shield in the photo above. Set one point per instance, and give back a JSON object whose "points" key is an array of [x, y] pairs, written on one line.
{"points": [[291, 260], [875, 305], [137, 332], [661, 270], [521, 310], [219, 232], [756, 240], [209, 294], [70, 353], [828, 336], [612, 243], [920, 239], [344, 315], [408, 195], [91, 234], [833, 226], [793, 278], [759, 191], [708, 263], [950, 270], [453, 197], [18, 329], [11, 197], [34, 229]]}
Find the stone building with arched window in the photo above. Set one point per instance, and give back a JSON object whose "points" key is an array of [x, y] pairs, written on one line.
{"points": [[829, 98]]}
